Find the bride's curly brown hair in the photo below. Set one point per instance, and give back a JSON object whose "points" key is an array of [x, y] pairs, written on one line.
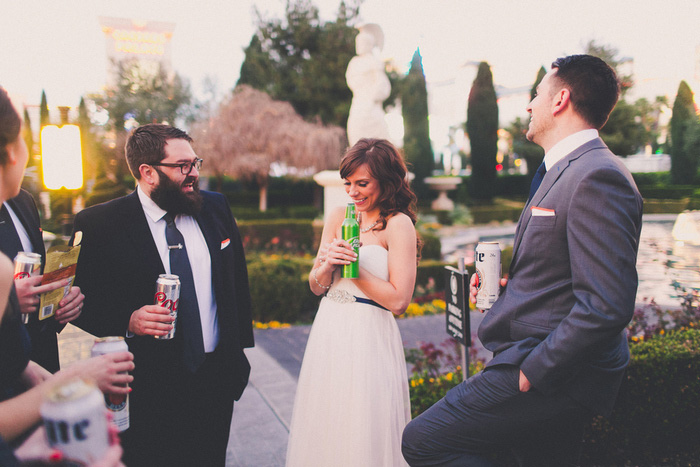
{"points": [[385, 165]]}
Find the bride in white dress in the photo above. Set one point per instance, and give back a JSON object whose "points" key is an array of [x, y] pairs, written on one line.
{"points": [[352, 401]]}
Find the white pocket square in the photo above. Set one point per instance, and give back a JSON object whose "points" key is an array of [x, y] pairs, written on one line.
{"points": [[537, 211], [225, 243]]}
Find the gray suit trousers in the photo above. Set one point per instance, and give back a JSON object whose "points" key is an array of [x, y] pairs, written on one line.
{"points": [[487, 421]]}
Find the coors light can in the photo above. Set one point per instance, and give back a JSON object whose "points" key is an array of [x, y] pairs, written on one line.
{"points": [[118, 404], [487, 260], [168, 296], [27, 264], [76, 421]]}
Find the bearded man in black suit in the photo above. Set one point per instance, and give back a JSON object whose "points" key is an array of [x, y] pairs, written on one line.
{"points": [[184, 388]]}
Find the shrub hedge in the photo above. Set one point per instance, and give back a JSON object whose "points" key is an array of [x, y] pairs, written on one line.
{"points": [[486, 214], [279, 288], [657, 416], [295, 236], [666, 191]]}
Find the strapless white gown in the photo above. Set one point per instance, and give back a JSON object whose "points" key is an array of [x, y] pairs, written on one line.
{"points": [[352, 401]]}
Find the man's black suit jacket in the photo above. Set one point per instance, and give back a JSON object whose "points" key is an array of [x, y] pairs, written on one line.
{"points": [[42, 333], [117, 271]]}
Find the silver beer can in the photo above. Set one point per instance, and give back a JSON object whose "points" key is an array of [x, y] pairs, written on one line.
{"points": [[118, 404], [487, 260], [76, 422], [168, 296], [27, 264]]}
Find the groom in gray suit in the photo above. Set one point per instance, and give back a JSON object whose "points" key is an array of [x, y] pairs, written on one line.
{"points": [[558, 329]]}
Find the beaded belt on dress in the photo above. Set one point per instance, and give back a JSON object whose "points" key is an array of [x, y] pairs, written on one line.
{"points": [[343, 296]]}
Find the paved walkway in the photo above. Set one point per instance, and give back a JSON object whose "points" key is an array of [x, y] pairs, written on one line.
{"points": [[262, 416]]}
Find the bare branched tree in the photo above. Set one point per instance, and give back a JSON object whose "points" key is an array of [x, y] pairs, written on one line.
{"points": [[250, 132]]}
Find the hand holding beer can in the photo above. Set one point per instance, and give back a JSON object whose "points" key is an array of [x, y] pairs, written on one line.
{"points": [[27, 264], [118, 404], [76, 421], [168, 296], [487, 260]]}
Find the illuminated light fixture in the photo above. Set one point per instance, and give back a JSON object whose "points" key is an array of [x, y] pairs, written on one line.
{"points": [[62, 157]]}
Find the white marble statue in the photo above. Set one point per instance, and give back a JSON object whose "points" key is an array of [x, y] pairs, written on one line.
{"points": [[369, 84]]}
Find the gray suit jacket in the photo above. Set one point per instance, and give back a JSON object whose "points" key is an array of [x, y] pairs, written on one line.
{"points": [[573, 281]]}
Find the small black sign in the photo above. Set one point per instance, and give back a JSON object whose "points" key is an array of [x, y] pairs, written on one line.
{"points": [[456, 307]]}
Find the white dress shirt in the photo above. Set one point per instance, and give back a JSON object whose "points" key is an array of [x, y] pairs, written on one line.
{"points": [[19, 227], [564, 147], [200, 262]]}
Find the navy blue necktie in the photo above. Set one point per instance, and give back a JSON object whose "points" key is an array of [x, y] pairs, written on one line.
{"points": [[10, 244], [537, 179], [188, 321]]}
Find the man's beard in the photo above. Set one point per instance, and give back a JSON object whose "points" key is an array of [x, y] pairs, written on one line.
{"points": [[168, 195]]}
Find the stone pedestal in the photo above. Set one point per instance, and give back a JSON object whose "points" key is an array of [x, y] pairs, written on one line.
{"points": [[334, 194], [442, 185]]}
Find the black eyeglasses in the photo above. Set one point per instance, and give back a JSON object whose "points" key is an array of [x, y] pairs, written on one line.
{"points": [[185, 167]]}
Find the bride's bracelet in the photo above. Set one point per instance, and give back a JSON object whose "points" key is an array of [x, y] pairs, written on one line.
{"points": [[318, 283]]}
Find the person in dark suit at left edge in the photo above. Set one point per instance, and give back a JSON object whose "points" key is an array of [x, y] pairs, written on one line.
{"points": [[184, 388], [20, 230]]}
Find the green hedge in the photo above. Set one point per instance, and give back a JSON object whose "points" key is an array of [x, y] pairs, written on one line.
{"points": [[656, 420], [506, 186], [431, 246], [279, 212], [280, 235], [486, 214], [665, 206], [652, 178], [657, 416], [667, 191], [282, 191], [279, 288]]}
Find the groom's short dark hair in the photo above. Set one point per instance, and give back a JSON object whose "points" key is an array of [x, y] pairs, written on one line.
{"points": [[593, 85]]}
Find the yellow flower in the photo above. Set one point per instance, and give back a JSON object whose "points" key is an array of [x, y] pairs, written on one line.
{"points": [[431, 380], [439, 303], [662, 332], [448, 376]]}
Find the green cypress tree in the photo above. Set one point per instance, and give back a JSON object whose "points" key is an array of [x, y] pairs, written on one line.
{"points": [[44, 111], [28, 137], [684, 163], [416, 139], [482, 127]]}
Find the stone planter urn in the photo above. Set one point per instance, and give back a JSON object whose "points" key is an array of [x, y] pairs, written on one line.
{"points": [[442, 185]]}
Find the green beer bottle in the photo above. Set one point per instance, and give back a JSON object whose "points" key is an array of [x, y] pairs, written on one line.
{"points": [[351, 234]]}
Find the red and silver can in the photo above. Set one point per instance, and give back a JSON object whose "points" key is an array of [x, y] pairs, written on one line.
{"points": [[27, 264], [168, 296], [118, 404], [487, 260], [76, 421]]}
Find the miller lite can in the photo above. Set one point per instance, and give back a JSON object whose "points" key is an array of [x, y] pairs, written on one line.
{"points": [[168, 296], [118, 404], [487, 260], [76, 422], [27, 264]]}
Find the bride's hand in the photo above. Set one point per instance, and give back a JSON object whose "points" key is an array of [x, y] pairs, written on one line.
{"points": [[337, 253]]}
